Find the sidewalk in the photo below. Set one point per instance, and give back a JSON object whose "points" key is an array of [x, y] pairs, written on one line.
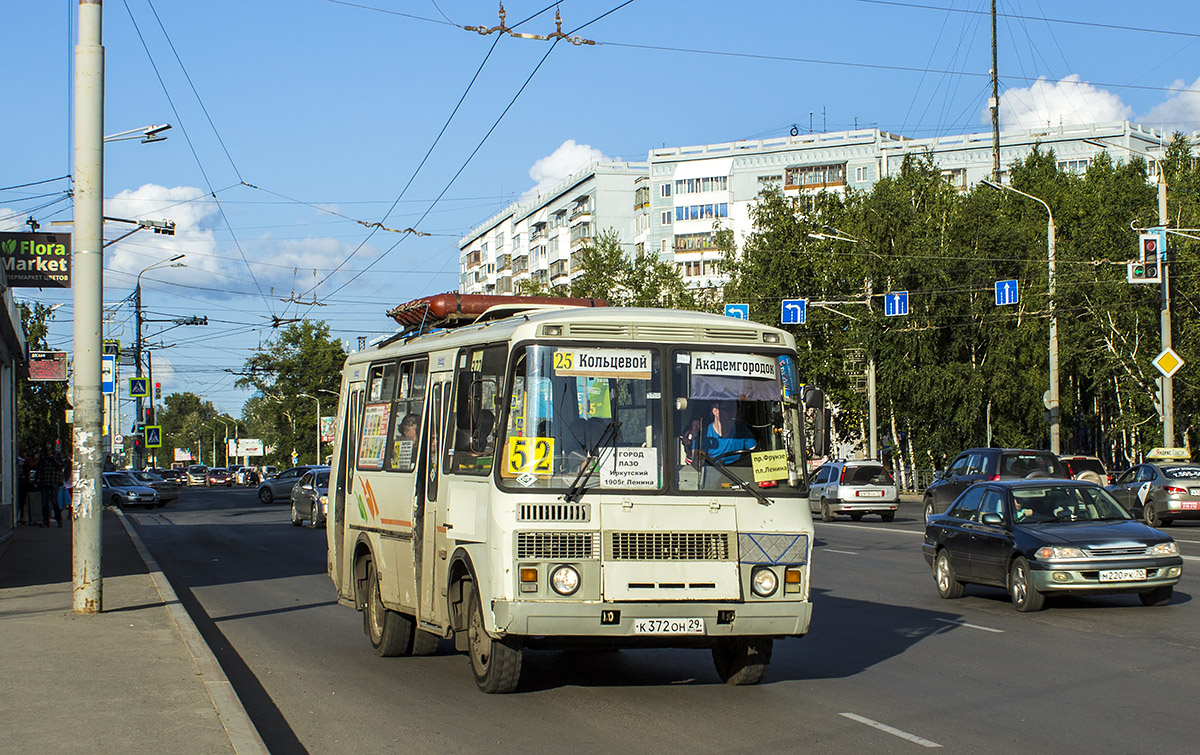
{"points": [[136, 678]]}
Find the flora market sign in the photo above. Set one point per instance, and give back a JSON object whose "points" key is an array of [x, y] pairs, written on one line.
{"points": [[36, 260]]}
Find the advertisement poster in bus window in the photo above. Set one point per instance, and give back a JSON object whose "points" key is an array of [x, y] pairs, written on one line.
{"points": [[374, 436], [594, 397]]}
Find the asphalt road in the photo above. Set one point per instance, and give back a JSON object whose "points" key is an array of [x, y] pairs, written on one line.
{"points": [[887, 666]]}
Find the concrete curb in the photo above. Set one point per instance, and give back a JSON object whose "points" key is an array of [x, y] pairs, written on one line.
{"points": [[243, 735]]}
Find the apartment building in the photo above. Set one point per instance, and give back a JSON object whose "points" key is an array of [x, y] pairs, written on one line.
{"points": [[673, 203], [540, 239]]}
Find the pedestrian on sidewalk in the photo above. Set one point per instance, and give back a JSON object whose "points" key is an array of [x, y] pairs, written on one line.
{"points": [[49, 480], [24, 483], [66, 493]]}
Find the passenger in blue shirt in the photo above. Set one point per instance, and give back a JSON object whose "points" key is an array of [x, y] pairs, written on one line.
{"points": [[727, 437]]}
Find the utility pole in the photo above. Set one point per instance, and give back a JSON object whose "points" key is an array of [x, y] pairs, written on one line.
{"points": [[995, 103], [1164, 316], [139, 417], [87, 585]]}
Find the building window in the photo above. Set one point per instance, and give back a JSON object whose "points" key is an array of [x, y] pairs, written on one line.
{"points": [[665, 218], [664, 189], [815, 176], [956, 177], [862, 173], [694, 242], [641, 197], [1079, 167], [516, 241], [698, 185], [774, 178], [702, 211], [474, 259]]}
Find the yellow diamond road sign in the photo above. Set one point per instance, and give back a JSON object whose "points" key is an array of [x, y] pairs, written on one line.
{"points": [[1168, 362]]}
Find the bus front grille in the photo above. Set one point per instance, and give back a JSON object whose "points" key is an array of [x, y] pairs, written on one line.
{"points": [[557, 545], [669, 546], [553, 512]]}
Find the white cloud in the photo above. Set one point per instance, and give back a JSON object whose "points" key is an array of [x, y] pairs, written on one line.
{"points": [[562, 162], [1181, 111], [280, 266], [1068, 101]]}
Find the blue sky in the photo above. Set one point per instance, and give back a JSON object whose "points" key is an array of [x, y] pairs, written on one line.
{"points": [[303, 117]]}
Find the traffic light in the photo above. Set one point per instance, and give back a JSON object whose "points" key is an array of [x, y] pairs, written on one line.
{"points": [[1148, 267], [158, 391]]}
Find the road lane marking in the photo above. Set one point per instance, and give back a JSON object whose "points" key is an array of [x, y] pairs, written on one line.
{"points": [[831, 550], [890, 730], [1190, 558], [920, 532], [970, 626]]}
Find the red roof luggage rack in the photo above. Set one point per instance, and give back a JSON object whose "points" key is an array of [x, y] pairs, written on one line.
{"points": [[451, 310]]}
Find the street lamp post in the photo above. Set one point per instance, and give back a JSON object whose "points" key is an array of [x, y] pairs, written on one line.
{"points": [[314, 398], [1055, 432], [137, 339]]}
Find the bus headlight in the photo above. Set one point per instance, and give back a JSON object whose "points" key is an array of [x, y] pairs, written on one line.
{"points": [[763, 582], [565, 580]]}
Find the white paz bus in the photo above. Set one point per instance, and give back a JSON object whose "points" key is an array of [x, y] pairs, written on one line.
{"points": [[520, 472]]}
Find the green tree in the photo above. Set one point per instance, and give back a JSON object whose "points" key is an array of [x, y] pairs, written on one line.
{"points": [[304, 360], [41, 405]]}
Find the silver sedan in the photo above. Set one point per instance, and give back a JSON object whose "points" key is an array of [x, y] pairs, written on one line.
{"points": [[1160, 492]]}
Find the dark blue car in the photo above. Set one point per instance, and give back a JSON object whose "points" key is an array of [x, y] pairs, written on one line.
{"points": [[1040, 537]]}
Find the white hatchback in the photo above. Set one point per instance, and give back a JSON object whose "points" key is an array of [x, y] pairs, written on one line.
{"points": [[856, 488]]}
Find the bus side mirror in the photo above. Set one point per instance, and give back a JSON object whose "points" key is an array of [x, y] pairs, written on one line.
{"points": [[814, 399]]}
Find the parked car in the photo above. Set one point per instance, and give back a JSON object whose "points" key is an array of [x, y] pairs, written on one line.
{"points": [[280, 486], [310, 497], [168, 490], [977, 464], [855, 488], [219, 476], [121, 489], [1040, 537], [1086, 468], [197, 474], [1160, 492]]}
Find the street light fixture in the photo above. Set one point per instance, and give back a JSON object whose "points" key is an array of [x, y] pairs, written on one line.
{"points": [[137, 340], [147, 134], [314, 398], [1055, 433]]}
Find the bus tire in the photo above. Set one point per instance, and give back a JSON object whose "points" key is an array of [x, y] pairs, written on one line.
{"points": [[742, 660], [390, 632], [496, 664]]}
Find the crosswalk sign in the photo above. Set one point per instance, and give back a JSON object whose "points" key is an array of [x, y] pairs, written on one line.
{"points": [[139, 387], [153, 436]]}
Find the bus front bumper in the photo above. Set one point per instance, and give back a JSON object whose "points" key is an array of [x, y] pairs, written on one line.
{"points": [[774, 618]]}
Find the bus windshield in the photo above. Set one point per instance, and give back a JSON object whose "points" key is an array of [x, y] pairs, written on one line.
{"points": [[584, 413], [738, 423]]}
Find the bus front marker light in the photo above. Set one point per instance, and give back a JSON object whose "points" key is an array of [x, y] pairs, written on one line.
{"points": [[792, 579], [529, 578], [763, 582], [565, 580]]}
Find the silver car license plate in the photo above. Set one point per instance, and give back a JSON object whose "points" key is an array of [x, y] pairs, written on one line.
{"points": [[1122, 575]]}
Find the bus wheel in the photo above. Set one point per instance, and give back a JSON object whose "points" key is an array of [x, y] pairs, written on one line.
{"points": [[390, 633], [742, 660], [495, 663]]}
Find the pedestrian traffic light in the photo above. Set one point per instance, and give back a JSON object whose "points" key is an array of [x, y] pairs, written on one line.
{"points": [[1148, 267]]}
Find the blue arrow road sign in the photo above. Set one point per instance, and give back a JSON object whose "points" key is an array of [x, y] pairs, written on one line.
{"points": [[794, 311], [1006, 292], [895, 304], [739, 311]]}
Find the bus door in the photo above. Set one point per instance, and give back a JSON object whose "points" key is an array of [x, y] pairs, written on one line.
{"points": [[429, 521], [343, 483]]}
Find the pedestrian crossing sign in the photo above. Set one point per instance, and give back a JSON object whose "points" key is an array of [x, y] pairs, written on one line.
{"points": [[139, 387], [153, 436]]}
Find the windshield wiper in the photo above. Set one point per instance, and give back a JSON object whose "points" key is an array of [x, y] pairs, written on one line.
{"points": [[720, 467], [575, 491]]}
